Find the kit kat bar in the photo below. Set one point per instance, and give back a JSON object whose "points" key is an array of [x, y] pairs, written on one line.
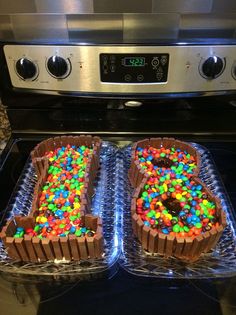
{"points": [[20, 245], [143, 143], [179, 245], [213, 234], [57, 248], [65, 248], [169, 245], [195, 250], [74, 247], [91, 221], [30, 249], [3, 235], [134, 223], [204, 244], [139, 227], [38, 248], [82, 248], [98, 242], [167, 142], [10, 228], [91, 246], [25, 222], [11, 248], [188, 243], [64, 141], [223, 219], [131, 175], [133, 205], [145, 236], [137, 170], [155, 142], [49, 144], [219, 230], [153, 241], [141, 176], [56, 142], [161, 243], [48, 249]]}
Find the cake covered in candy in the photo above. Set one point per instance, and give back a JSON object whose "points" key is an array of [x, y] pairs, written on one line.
{"points": [[152, 157], [173, 211], [59, 226]]}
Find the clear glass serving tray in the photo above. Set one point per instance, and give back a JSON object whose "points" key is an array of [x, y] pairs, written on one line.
{"points": [[104, 204], [220, 262]]}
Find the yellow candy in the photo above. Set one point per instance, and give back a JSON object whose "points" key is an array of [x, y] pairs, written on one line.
{"points": [[43, 219], [154, 190], [78, 192], [51, 159], [178, 196], [37, 219], [184, 193], [148, 162], [179, 180], [51, 197], [157, 215], [165, 187], [159, 203], [205, 202], [169, 216], [76, 205]]}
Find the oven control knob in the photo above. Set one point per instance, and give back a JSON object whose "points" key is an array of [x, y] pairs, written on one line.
{"points": [[58, 67], [26, 69], [212, 67]]}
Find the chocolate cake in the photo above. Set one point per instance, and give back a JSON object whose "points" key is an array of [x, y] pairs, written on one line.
{"points": [[59, 226], [173, 211]]}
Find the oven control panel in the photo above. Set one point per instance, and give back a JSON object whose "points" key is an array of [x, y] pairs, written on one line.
{"points": [[134, 68], [122, 70]]}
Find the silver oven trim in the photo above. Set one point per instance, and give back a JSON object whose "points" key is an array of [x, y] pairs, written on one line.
{"points": [[183, 74]]}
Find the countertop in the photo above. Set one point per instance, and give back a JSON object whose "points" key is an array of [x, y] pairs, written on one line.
{"points": [[5, 130]]}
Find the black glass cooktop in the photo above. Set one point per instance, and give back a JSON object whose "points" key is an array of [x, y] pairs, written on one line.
{"points": [[123, 293]]}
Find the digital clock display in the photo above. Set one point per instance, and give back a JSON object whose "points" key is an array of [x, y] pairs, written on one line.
{"points": [[134, 61]]}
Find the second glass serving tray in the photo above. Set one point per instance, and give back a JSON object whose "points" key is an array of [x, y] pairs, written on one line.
{"points": [[220, 262]]}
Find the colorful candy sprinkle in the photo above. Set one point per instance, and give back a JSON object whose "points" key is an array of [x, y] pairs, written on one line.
{"points": [[59, 201], [178, 207], [159, 161]]}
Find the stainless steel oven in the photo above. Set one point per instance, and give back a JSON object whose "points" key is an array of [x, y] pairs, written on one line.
{"points": [[124, 73]]}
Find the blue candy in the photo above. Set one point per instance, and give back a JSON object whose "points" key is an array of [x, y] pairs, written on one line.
{"points": [[165, 231], [72, 229]]}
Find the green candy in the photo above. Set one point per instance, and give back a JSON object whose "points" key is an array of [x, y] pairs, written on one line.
{"points": [[162, 154], [186, 229], [73, 218], [176, 228], [78, 233], [198, 225], [198, 213]]}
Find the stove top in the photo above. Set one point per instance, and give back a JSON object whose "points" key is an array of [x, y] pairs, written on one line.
{"points": [[123, 292]]}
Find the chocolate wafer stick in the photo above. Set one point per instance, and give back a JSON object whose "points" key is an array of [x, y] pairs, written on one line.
{"points": [[48, 249]]}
